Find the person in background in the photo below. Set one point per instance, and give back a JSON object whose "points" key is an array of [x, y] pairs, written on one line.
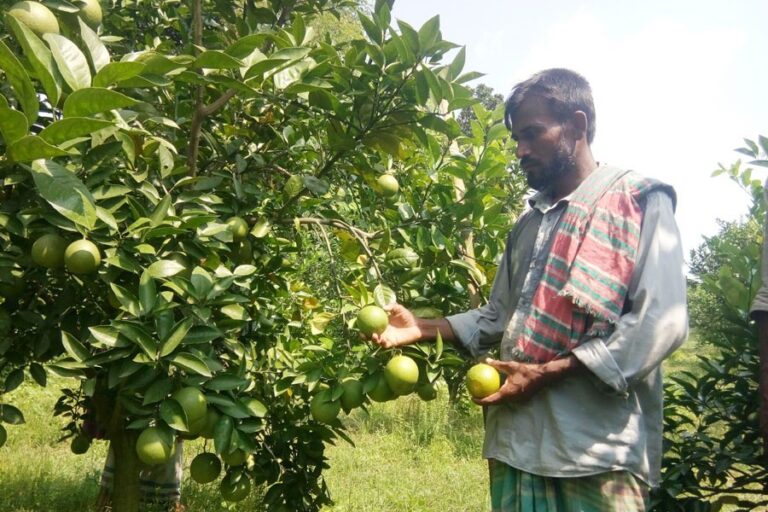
{"points": [[759, 312], [587, 302]]}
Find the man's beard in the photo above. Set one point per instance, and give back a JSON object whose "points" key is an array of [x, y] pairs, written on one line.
{"points": [[545, 176]]}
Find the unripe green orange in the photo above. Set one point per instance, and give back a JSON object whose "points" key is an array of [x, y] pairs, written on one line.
{"points": [[35, 16], [238, 227], [80, 444], [48, 251], [372, 319], [205, 468], [153, 447], [82, 257], [235, 458], [235, 487], [323, 409], [482, 380], [402, 374], [387, 185], [352, 395], [91, 13]]}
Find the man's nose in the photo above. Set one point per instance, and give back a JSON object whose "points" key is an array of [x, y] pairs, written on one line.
{"points": [[522, 150]]}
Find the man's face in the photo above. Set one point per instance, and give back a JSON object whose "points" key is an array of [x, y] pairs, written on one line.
{"points": [[544, 150]]}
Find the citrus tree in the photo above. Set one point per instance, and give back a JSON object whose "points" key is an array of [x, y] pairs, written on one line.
{"points": [[198, 198], [713, 450]]}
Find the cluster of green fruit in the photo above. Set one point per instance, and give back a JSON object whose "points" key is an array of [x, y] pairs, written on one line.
{"points": [[41, 20], [79, 257], [155, 446]]}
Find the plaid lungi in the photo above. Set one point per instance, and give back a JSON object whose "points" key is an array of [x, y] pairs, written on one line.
{"points": [[513, 490], [159, 484]]}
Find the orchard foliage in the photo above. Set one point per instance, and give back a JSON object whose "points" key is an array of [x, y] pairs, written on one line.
{"points": [[713, 451], [172, 118]]}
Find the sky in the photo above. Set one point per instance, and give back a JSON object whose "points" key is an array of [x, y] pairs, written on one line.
{"points": [[678, 84]]}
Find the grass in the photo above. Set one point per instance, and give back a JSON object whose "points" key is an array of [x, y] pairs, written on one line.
{"points": [[409, 456]]}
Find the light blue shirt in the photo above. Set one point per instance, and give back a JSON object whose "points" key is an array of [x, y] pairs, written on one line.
{"points": [[611, 418]]}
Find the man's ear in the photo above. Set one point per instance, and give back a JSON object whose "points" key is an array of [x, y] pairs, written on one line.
{"points": [[579, 123]]}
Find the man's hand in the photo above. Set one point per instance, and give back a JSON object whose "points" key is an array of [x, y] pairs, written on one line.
{"points": [[525, 379], [402, 330]]}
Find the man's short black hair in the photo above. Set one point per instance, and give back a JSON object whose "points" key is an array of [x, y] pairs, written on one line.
{"points": [[565, 92]]}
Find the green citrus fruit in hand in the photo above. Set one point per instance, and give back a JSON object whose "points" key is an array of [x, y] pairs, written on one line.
{"points": [[5, 322], [235, 458], [352, 395], [48, 251], [82, 257], [80, 444], [91, 13], [388, 185], [195, 406], [238, 227], [381, 391], [482, 380], [402, 374], [205, 468], [153, 447], [372, 319], [235, 487], [3, 436], [35, 16], [322, 408]]}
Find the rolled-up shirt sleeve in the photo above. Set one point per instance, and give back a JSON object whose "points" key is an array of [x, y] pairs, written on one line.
{"points": [[657, 322], [478, 330], [760, 303]]}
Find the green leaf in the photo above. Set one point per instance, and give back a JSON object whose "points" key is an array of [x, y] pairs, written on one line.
{"points": [[476, 274], [147, 292], [107, 335], [438, 344], [261, 229], [383, 295], [215, 59], [202, 282], [13, 125], [70, 128], [96, 49], [71, 62], [11, 415], [161, 211], [319, 322], [38, 373], [192, 363], [235, 312], [202, 334], [255, 407], [180, 330], [139, 336], [226, 382], [457, 65], [40, 57], [371, 29], [20, 82], [115, 72], [222, 434], [173, 414], [93, 100], [32, 147], [127, 300], [74, 348], [14, 380], [165, 268], [157, 391], [497, 131], [64, 192], [429, 33]]}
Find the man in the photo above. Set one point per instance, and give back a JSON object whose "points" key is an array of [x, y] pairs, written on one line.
{"points": [[759, 312], [587, 302]]}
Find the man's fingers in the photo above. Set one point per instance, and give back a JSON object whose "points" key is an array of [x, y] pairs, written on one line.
{"points": [[507, 367], [493, 399]]}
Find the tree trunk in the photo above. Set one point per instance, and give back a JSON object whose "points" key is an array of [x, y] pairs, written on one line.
{"points": [[125, 489]]}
